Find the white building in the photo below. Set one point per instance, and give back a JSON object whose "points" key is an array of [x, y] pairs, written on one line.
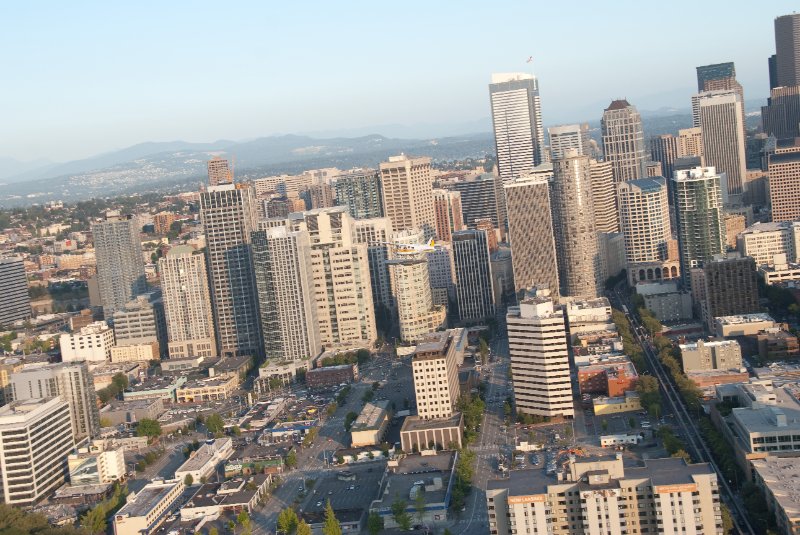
{"points": [[412, 296], [93, 344], [435, 371], [205, 460], [147, 509], [96, 464], [537, 341], [764, 241], [35, 439]]}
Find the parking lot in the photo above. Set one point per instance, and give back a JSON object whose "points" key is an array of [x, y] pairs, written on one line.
{"points": [[353, 492]]}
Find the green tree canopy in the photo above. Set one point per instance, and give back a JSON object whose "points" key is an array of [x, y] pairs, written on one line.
{"points": [[287, 521], [374, 523], [215, 424], [148, 428], [331, 525], [303, 528]]}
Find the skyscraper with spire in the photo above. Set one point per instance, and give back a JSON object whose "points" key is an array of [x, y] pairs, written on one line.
{"points": [[517, 121]]}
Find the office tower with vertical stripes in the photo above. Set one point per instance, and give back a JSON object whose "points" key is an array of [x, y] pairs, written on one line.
{"points": [[784, 180], [517, 122], [447, 206], [604, 201], [474, 292], [407, 187], [228, 213], [571, 136], [120, 267], [187, 304], [623, 140], [781, 115], [664, 149], [787, 50], [219, 171], [16, 303], [575, 232], [720, 118]]}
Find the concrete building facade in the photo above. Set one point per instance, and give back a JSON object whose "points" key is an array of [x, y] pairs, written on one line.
{"points": [[120, 267], [623, 140], [408, 194]]}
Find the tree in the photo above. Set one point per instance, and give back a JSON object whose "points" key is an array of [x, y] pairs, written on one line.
{"points": [[683, 455], [243, 519], [401, 517], [120, 380], [215, 424], [374, 523], [148, 428], [483, 350], [213, 531], [287, 521], [303, 528], [331, 525], [419, 504], [188, 480], [291, 459]]}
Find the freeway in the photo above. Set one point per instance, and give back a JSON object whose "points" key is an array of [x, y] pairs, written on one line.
{"points": [[686, 423]]}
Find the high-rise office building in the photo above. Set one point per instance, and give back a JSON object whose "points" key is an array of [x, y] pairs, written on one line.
{"points": [[360, 191], [375, 233], [531, 234], [576, 237], [442, 274], [228, 213], [187, 304], [720, 77], [120, 267], [474, 292], [537, 343], [623, 140], [607, 495], [781, 115], [35, 438], [644, 218], [15, 304], [341, 280], [604, 202], [787, 50], [664, 149], [321, 196], [411, 287], [219, 172], [407, 186], [435, 371], [571, 136], [447, 207], [480, 200], [697, 198], [720, 118], [784, 181], [285, 284], [688, 143], [517, 121], [70, 381]]}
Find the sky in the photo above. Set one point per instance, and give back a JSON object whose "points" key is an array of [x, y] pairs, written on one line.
{"points": [[83, 78]]}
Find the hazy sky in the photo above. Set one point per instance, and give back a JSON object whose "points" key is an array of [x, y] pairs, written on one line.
{"points": [[80, 78]]}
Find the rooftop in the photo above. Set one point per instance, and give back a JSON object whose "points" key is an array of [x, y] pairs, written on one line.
{"points": [[784, 415], [204, 455], [372, 416], [414, 423], [619, 104], [147, 498], [692, 346], [740, 319], [781, 477], [758, 228]]}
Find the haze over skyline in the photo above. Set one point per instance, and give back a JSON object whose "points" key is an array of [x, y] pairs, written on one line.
{"points": [[89, 77]]}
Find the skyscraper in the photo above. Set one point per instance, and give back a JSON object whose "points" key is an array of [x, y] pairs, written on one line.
{"points": [[571, 136], [120, 267], [219, 172], [720, 77], [321, 196], [69, 381], [530, 231], [697, 200], [688, 143], [411, 287], [576, 237], [447, 207], [784, 181], [15, 304], [787, 50], [285, 283], [781, 115], [479, 199], [517, 120], [187, 304], [604, 202], [228, 213], [360, 191], [141, 321], [644, 218], [474, 292], [720, 118], [408, 194], [664, 149], [342, 290], [623, 140], [375, 234], [537, 344]]}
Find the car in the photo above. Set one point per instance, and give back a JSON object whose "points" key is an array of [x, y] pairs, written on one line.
{"points": [[319, 504]]}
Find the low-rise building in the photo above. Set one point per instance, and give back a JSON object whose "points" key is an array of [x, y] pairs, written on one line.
{"points": [[589, 315], [132, 411], [102, 376], [598, 495], [612, 377], [92, 343], [135, 352], [208, 389], [371, 425], [780, 271], [155, 387], [712, 355], [96, 464], [205, 460], [236, 367], [742, 324], [147, 509], [235, 495], [665, 300], [328, 376], [418, 434], [182, 365], [610, 441], [613, 405]]}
